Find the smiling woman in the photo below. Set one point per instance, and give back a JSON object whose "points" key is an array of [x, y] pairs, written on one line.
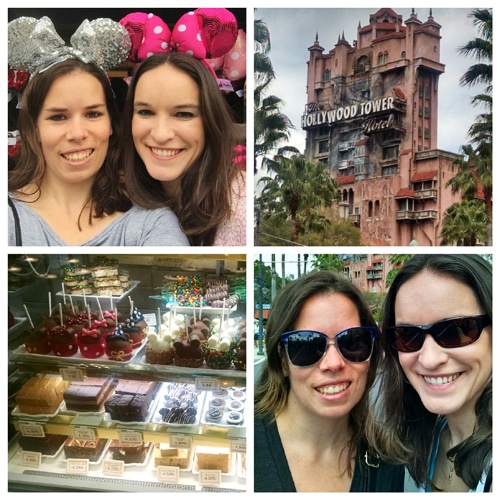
{"points": [[68, 161], [436, 388], [179, 145], [311, 399]]}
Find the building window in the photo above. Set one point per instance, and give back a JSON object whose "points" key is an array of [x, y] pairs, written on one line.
{"points": [[327, 75], [370, 209], [380, 58], [427, 112], [323, 147], [426, 133], [403, 54], [377, 208], [362, 64], [390, 152], [387, 171]]}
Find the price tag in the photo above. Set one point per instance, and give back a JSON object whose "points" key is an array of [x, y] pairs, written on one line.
{"points": [[180, 441], [31, 430], [77, 466], [238, 445], [113, 467], [72, 374], [150, 319], [168, 474], [130, 437], [31, 459], [210, 477], [84, 433], [206, 384]]}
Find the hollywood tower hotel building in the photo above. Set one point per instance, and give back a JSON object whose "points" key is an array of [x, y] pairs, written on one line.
{"points": [[372, 117]]}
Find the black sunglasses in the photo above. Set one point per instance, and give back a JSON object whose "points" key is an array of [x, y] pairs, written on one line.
{"points": [[448, 333], [308, 347]]}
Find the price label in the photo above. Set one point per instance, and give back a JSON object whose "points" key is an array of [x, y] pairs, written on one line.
{"points": [[206, 384], [210, 476], [130, 437], [168, 474], [238, 445], [84, 433], [77, 466], [113, 467], [31, 459], [72, 374], [180, 441], [31, 430]]}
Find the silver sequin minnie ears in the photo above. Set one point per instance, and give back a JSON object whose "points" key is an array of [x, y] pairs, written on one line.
{"points": [[34, 44]]}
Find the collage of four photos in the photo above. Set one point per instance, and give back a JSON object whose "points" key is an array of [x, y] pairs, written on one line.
{"points": [[334, 168]]}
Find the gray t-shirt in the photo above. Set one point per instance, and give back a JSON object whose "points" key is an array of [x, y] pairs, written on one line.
{"points": [[136, 227]]}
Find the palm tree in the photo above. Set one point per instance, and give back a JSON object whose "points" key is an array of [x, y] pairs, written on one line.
{"points": [[475, 171], [271, 126], [295, 192], [474, 176], [464, 223]]}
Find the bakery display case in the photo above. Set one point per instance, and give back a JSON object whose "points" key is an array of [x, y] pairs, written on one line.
{"points": [[138, 385]]}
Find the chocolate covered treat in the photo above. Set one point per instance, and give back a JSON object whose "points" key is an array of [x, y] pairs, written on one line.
{"points": [[37, 341], [63, 341], [89, 394], [234, 417], [214, 415], [180, 404], [80, 448], [119, 346]]}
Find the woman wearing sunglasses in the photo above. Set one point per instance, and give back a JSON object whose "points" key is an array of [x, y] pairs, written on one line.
{"points": [[436, 389], [311, 400]]}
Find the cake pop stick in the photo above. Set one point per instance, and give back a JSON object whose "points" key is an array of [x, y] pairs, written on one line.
{"points": [[84, 299], [159, 321], [50, 304], [131, 305], [72, 306], [28, 316], [63, 292], [60, 315], [111, 300], [101, 315]]}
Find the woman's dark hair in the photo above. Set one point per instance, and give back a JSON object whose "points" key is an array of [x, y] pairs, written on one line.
{"points": [[272, 388], [407, 427], [206, 185], [107, 194]]}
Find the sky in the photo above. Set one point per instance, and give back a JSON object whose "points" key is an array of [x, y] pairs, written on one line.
{"points": [[294, 30]]}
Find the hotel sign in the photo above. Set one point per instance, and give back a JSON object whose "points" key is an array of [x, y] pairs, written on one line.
{"points": [[315, 117]]}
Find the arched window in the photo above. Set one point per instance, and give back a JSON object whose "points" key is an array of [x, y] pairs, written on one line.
{"points": [[327, 75], [403, 54], [380, 58], [362, 63], [370, 209], [377, 208]]}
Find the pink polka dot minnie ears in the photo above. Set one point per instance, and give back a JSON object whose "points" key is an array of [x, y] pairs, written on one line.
{"points": [[34, 44], [205, 34]]}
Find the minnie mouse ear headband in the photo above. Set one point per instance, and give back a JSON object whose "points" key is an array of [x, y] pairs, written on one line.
{"points": [[35, 46], [202, 33]]}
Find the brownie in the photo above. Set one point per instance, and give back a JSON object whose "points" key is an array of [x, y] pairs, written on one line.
{"points": [[90, 394], [79, 448], [128, 453], [131, 400], [48, 445]]}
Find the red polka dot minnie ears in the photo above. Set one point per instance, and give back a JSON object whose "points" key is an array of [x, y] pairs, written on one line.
{"points": [[34, 44], [205, 34]]}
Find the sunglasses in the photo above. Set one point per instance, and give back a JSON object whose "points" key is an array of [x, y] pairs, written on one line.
{"points": [[307, 347], [448, 333]]}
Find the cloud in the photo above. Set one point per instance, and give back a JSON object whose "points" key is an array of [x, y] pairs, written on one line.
{"points": [[294, 30]]}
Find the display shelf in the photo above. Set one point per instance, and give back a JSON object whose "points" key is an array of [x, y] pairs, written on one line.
{"points": [[103, 298]]}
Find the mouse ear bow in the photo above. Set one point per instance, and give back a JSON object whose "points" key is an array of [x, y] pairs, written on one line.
{"points": [[106, 42], [205, 33], [149, 35], [34, 44]]}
